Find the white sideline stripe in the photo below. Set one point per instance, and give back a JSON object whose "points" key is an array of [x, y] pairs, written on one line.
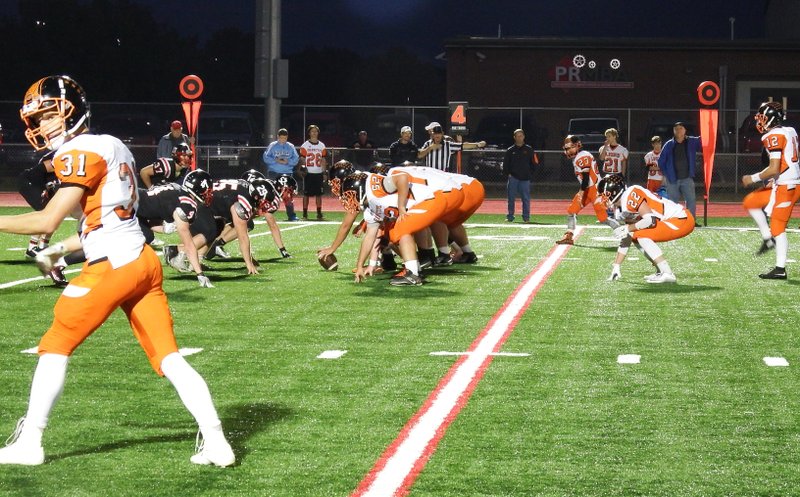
{"points": [[187, 351], [710, 259], [629, 359], [37, 278], [776, 361], [496, 354], [509, 238], [604, 239], [32, 350], [791, 260], [633, 258], [332, 354], [16, 249], [401, 463]]}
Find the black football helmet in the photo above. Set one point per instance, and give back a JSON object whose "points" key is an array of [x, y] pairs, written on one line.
{"points": [[63, 95], [379, 168], [264, 194], [182, 153], [572, 145], [200, 185], [770, 115], [611, 187], [251, 175], [338, 173], [354, 192], [286, 184]]}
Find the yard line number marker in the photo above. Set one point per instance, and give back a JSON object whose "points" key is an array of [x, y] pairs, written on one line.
{"points": [[400, 464]]}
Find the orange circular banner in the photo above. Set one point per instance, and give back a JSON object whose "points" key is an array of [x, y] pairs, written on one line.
{"points": [[191, 87], [708, 93]]}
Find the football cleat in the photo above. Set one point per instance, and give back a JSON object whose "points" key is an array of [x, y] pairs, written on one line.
{"points": [[662, 278], [180, 263], [406, 278], [467, 258], [219, 453], [567, 240], [57, 275], [170, 252], [219, 251], [31, 252], [776, 273], [388, 263], [443, 260], [22, 451], [766, 246]]}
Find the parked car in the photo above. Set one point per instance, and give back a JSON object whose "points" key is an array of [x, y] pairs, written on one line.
{"points": [[591, 131], [497, 131], [662, 126], [131, 128], [750, 138], [224, 141]]}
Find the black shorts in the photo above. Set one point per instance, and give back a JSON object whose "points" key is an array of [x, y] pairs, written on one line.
{"points": [[312, 184], [205, 224]]}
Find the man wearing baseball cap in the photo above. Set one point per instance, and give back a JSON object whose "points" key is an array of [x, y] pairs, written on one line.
{"points": [[171, 140], [404, 149]]}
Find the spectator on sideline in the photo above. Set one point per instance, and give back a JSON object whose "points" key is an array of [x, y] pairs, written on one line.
{"points": [[613, 155], [404, 149], [518, 165], [171, 140], [678, 163], [281, 157], [314, 169], [363, 152], [654, 176], [437, 150]]}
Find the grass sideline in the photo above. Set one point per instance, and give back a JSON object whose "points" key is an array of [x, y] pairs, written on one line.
{"points": [[701, 415]]}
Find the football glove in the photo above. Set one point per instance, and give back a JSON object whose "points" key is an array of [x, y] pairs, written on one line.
{"points": [[621, 232], [204, 281], [169, 228], [616, 273], [47, 258]]}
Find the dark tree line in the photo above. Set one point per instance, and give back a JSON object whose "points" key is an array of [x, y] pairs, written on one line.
{"points": [[120, 52]]}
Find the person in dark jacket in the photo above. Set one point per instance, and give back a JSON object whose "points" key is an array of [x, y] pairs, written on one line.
{"points": [[677, 162], [518, 165]]}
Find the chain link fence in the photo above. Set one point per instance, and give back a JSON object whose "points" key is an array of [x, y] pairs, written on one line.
{"points": [[141, 125]]}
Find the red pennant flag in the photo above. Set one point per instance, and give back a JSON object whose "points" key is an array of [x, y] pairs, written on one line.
{"points": [[708, 137], [191, 87]]}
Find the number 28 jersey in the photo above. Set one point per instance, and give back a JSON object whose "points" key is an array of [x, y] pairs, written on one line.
{"points": [[104, 167]]}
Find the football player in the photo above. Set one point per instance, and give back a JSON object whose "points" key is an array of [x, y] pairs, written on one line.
{"points": [[779, 197], [269, 209], [99, 184], [181, 205], [165, 170], [378, 197], [649, 219], [338, 172], [586, 171]]}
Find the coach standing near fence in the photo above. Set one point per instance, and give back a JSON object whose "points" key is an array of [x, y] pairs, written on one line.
{"points": [[437, 150], [677, 162], [518, 165]]}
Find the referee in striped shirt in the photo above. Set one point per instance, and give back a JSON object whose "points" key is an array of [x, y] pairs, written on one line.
{"points": [[437, 150]]}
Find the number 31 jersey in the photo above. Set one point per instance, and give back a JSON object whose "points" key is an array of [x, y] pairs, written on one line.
{"points": [[104, 167]]}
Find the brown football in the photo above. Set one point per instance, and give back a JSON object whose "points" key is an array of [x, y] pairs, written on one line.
{"points": [[329, 262]]}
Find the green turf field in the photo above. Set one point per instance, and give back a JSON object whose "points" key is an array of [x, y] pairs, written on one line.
{"points": [[701, 415]]}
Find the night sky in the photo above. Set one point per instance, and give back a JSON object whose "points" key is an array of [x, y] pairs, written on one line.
{"points": [[369, 26]]}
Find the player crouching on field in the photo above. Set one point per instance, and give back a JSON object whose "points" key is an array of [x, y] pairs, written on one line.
{"points": [[586, 171], [779, 198], [648, 219]]}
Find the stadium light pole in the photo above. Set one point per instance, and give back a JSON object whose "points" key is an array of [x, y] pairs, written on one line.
{"points": [[271, 78]]}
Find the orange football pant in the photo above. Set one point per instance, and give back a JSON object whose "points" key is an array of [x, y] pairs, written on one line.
{"points": [[781, 211], [91, 297], [668, 229], [474, 195], [419, 217], [584, 198]]}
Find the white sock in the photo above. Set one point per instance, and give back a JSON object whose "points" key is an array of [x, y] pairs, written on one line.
{"points": [[192, 389], [444, 250], [466, 249], [761, 221], [650, 248], [572, 221], [46, 387], [412, 266], [611, 223], [663, 267], [781, 249]]}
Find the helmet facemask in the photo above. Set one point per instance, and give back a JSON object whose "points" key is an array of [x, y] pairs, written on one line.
{"points": [[61, 102]]}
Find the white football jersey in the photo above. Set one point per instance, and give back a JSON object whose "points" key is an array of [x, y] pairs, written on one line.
{"points": [[650, 159], [662, 208], [434, 178], [781, 143], [313, 153], [614, 158], [382, 198], [104, 167]]}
